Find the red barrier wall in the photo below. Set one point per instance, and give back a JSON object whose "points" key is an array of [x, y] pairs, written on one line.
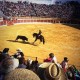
{"points": [[42, 20]]}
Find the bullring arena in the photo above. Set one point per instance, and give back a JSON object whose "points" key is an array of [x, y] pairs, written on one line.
{"points": [[60, 39]]}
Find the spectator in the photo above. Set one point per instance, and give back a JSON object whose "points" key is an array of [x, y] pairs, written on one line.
{"points": [[19, 54], [34, 65], [5, 51], [4, 54], [9, 64], [64, 64], [22, 62], [29, 63], [53, 58]]}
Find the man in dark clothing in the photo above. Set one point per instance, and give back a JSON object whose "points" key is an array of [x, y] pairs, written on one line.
{"points": [[39, 32]]}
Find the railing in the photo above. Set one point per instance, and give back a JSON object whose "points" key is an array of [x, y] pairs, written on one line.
{"points": [[28, 20], [19, 20]]}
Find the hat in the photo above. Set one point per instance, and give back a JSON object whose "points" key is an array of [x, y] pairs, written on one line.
{"points": [[66, 59], [19, 50], [9, 64], [50, 71], [21, 74]]}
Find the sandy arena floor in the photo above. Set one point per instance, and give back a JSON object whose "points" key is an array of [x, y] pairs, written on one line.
{"points": [[60, 39]]}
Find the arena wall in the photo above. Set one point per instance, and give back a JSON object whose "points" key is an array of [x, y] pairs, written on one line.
{"points": [[22, 20]]}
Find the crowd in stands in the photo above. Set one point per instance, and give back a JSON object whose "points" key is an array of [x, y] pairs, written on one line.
{"points": [[49, 69], [37, 10]]}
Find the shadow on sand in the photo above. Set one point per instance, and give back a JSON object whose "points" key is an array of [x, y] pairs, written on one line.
{"points": [[22, 42], [77, 26]]}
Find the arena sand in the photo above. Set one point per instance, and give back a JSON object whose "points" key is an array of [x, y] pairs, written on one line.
{"points": [[62, 40]]}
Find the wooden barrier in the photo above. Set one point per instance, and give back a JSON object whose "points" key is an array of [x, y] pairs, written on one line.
{"points": [[35, 19]]}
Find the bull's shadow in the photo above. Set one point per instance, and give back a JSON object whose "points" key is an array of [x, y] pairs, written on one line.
{"points": [[22, 42]]}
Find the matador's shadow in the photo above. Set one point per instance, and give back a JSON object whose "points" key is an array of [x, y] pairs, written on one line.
{"points": [[22, 42]]}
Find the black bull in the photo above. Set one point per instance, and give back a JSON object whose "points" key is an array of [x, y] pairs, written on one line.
{"points": [[21, 37]]}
